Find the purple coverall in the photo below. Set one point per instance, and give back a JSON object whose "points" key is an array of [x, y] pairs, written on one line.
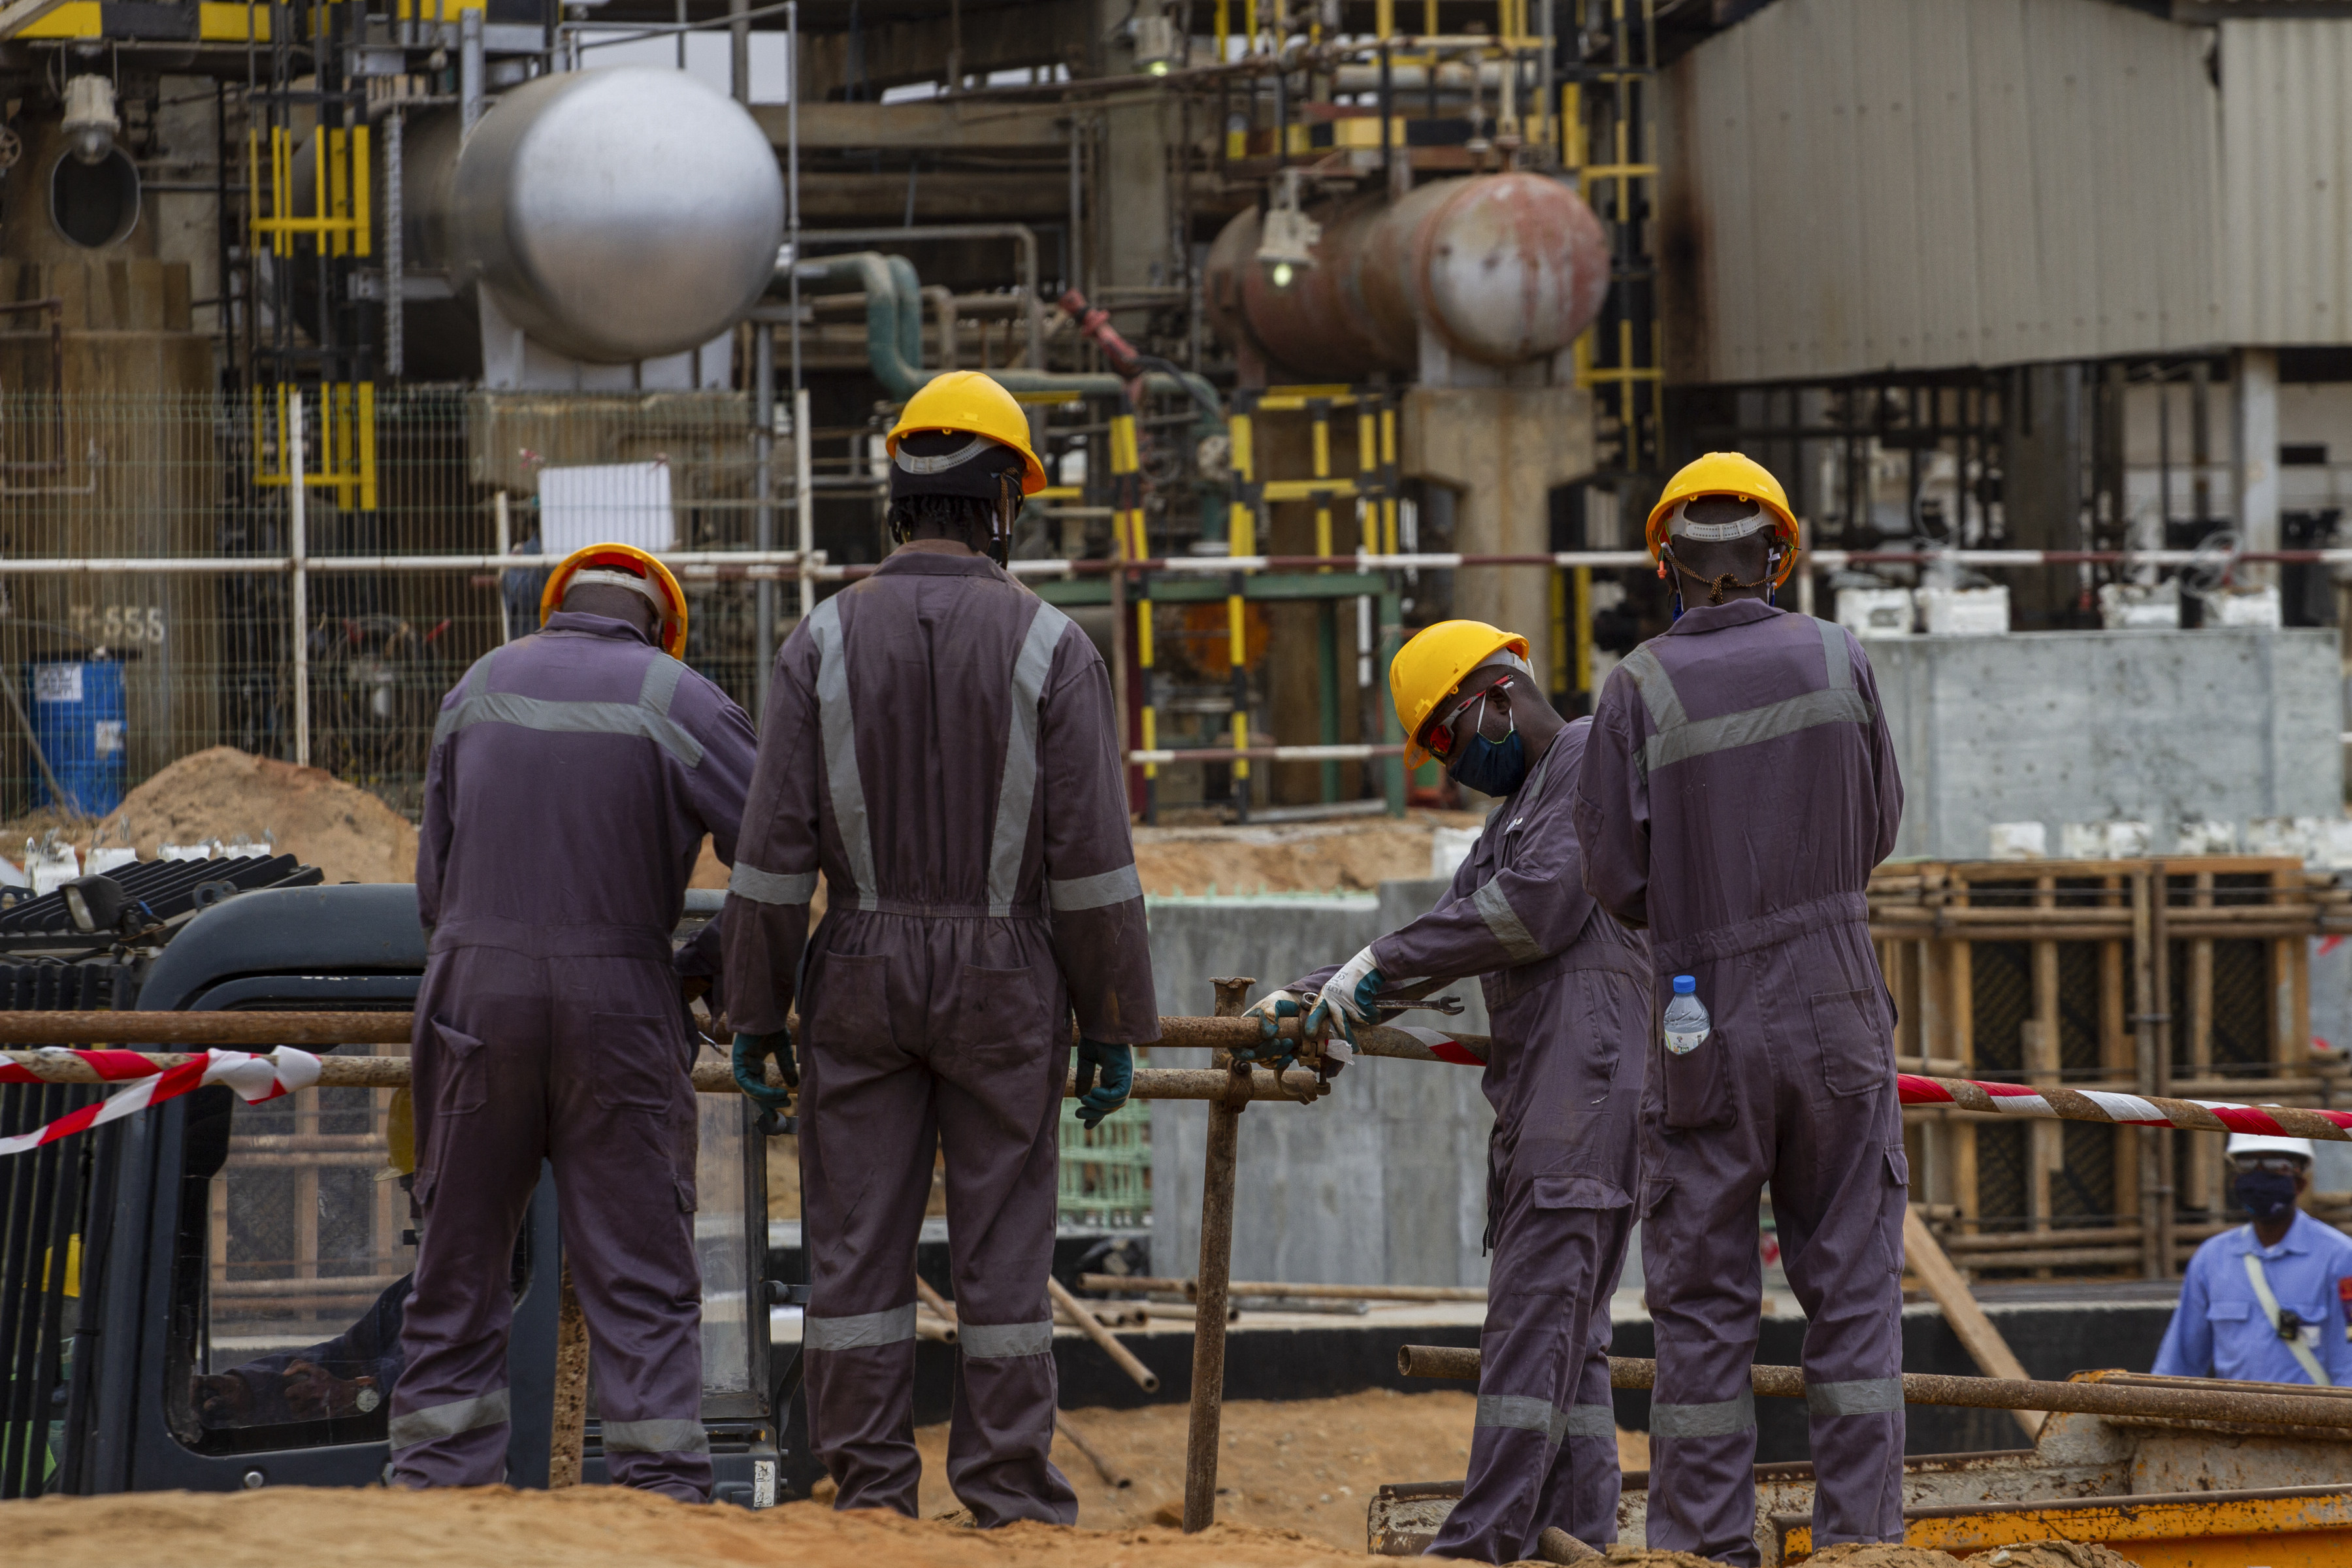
{"points": [[1568, 994], [1739, 786], [939, 742], [573, 777]]}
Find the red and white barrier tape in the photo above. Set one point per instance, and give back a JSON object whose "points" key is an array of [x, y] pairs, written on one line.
{"points": [[2126, 1109], [254, 1078], [1421, 1043]]}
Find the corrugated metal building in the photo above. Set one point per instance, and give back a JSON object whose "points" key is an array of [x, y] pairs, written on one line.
{"points": [[1854, 187], [2286, 181]]}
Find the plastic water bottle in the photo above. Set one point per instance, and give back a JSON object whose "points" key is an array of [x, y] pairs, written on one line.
{"points": [[1687, 1024]]}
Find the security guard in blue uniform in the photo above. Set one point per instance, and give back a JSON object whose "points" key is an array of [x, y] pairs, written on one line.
{"points": [[2266, 1302]]}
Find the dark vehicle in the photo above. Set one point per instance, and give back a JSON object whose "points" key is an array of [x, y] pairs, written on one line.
{"points": [[206, 1294]]}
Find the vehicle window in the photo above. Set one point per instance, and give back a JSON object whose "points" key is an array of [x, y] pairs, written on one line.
{"points": [[296, 1246]]}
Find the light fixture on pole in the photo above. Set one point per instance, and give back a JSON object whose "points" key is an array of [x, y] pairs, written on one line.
{"points": [[1288, 236]]}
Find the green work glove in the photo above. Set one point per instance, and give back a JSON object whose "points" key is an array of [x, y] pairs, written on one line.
{"points": [[1273, 1048], [1117, 1066], [751, 1076]]}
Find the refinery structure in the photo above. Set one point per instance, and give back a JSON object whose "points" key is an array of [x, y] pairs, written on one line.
{"points": [[328, 328]]}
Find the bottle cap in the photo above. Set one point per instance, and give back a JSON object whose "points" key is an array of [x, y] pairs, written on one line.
{"points": [[1686, 984]]}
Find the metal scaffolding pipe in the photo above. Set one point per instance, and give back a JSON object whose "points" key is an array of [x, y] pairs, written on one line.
{"points": [[1296, 1085], [2127, 1395]]}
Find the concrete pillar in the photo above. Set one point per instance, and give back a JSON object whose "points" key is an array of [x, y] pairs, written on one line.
{"points": [[1503, 450], [2253, 415]]}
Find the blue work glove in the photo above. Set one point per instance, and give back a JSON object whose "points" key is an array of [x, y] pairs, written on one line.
{"points": [[1273, 1048], [1117, 1066], [1350, 997], [750, 1052]]}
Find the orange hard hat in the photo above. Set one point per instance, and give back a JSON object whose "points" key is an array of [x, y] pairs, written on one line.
{"points": [[625, 566]]}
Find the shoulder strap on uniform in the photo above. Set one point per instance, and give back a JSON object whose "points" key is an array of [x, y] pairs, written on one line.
{"points": [[2261, 1281]]}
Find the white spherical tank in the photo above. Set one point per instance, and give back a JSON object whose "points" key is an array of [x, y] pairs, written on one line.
{"points": [[619, 213]]}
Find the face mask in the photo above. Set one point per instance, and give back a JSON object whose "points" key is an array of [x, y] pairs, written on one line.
{"points": [[1492, 767], [2266, 1194]]}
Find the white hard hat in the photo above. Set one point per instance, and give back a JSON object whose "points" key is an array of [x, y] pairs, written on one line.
{"points": [[2263, 1144]]}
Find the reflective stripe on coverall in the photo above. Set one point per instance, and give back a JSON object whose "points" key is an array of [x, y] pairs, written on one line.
{"points": [[939, 742], [1739, 786], [573, 777], [1568, 994]]}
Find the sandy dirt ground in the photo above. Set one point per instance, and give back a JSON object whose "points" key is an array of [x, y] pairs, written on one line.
{"points": [[1303, 857], [605, 1526], [1309, 1465], [343, 830], [1298, 858], [587, 1527]]}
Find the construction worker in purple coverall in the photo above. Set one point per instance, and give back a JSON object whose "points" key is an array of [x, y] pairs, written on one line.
{"points": [[574, 776], [1737, 788], [941, 745], [1568, 989]]}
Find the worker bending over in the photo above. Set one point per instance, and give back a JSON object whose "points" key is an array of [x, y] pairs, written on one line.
{"points": [[1737, 788], [939, 742], [2267, 1301], [572, 778], [1567, 991]]}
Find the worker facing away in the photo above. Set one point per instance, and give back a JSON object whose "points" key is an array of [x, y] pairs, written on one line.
{"points": [[573, 775], [2268, 1301], [940, 743], [1567, 993], [1737, 787]]}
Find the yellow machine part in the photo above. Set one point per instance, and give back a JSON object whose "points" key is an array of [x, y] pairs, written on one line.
{"points": [[2299, 1525], [217, 23]]}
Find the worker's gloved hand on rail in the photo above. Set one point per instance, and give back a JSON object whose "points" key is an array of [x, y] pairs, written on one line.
{"points": [[1116, 1064], [1349, 998], [1273, 1048], [314, 1393], [751, 1075]]}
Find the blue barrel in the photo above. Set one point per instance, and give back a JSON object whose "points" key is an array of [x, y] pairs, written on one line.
{"points": [[77, 718]]}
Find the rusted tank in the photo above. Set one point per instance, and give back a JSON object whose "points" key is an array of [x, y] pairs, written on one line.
{"points": [[1499, 268]]}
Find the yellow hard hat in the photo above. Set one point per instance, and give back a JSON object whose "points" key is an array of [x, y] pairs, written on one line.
{"points": [[1733, 473], [630, 567], [1433, 667], [968, 401]]}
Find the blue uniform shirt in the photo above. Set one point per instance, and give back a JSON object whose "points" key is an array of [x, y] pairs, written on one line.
{"points": [[2220, 1329]]}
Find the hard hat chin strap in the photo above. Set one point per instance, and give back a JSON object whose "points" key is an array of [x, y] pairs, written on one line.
{"points": [[1719, 586]]}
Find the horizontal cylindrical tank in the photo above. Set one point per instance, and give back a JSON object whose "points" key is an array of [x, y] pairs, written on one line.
{"points": [[1500, 269], [614, 215]]}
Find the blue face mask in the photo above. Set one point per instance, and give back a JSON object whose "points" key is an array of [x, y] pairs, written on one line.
{"points": [[1492, 767], [2266, 1194]]}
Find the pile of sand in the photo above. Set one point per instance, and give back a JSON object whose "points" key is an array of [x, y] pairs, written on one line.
{"points": [[307, 813], [343, 830], [1301, 857]]}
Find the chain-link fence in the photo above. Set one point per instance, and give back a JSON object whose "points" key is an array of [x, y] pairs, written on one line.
{"points": [[134, 634]]}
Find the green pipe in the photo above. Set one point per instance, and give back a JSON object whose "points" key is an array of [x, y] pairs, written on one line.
{"points": [[909, 287], [900, 374], [893, 350]]}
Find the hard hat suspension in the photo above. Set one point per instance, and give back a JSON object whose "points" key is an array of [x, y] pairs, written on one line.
{"points": [[598, 576]]}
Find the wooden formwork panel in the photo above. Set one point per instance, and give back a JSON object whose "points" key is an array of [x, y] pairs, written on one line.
{"points": [[2186, 977]]}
